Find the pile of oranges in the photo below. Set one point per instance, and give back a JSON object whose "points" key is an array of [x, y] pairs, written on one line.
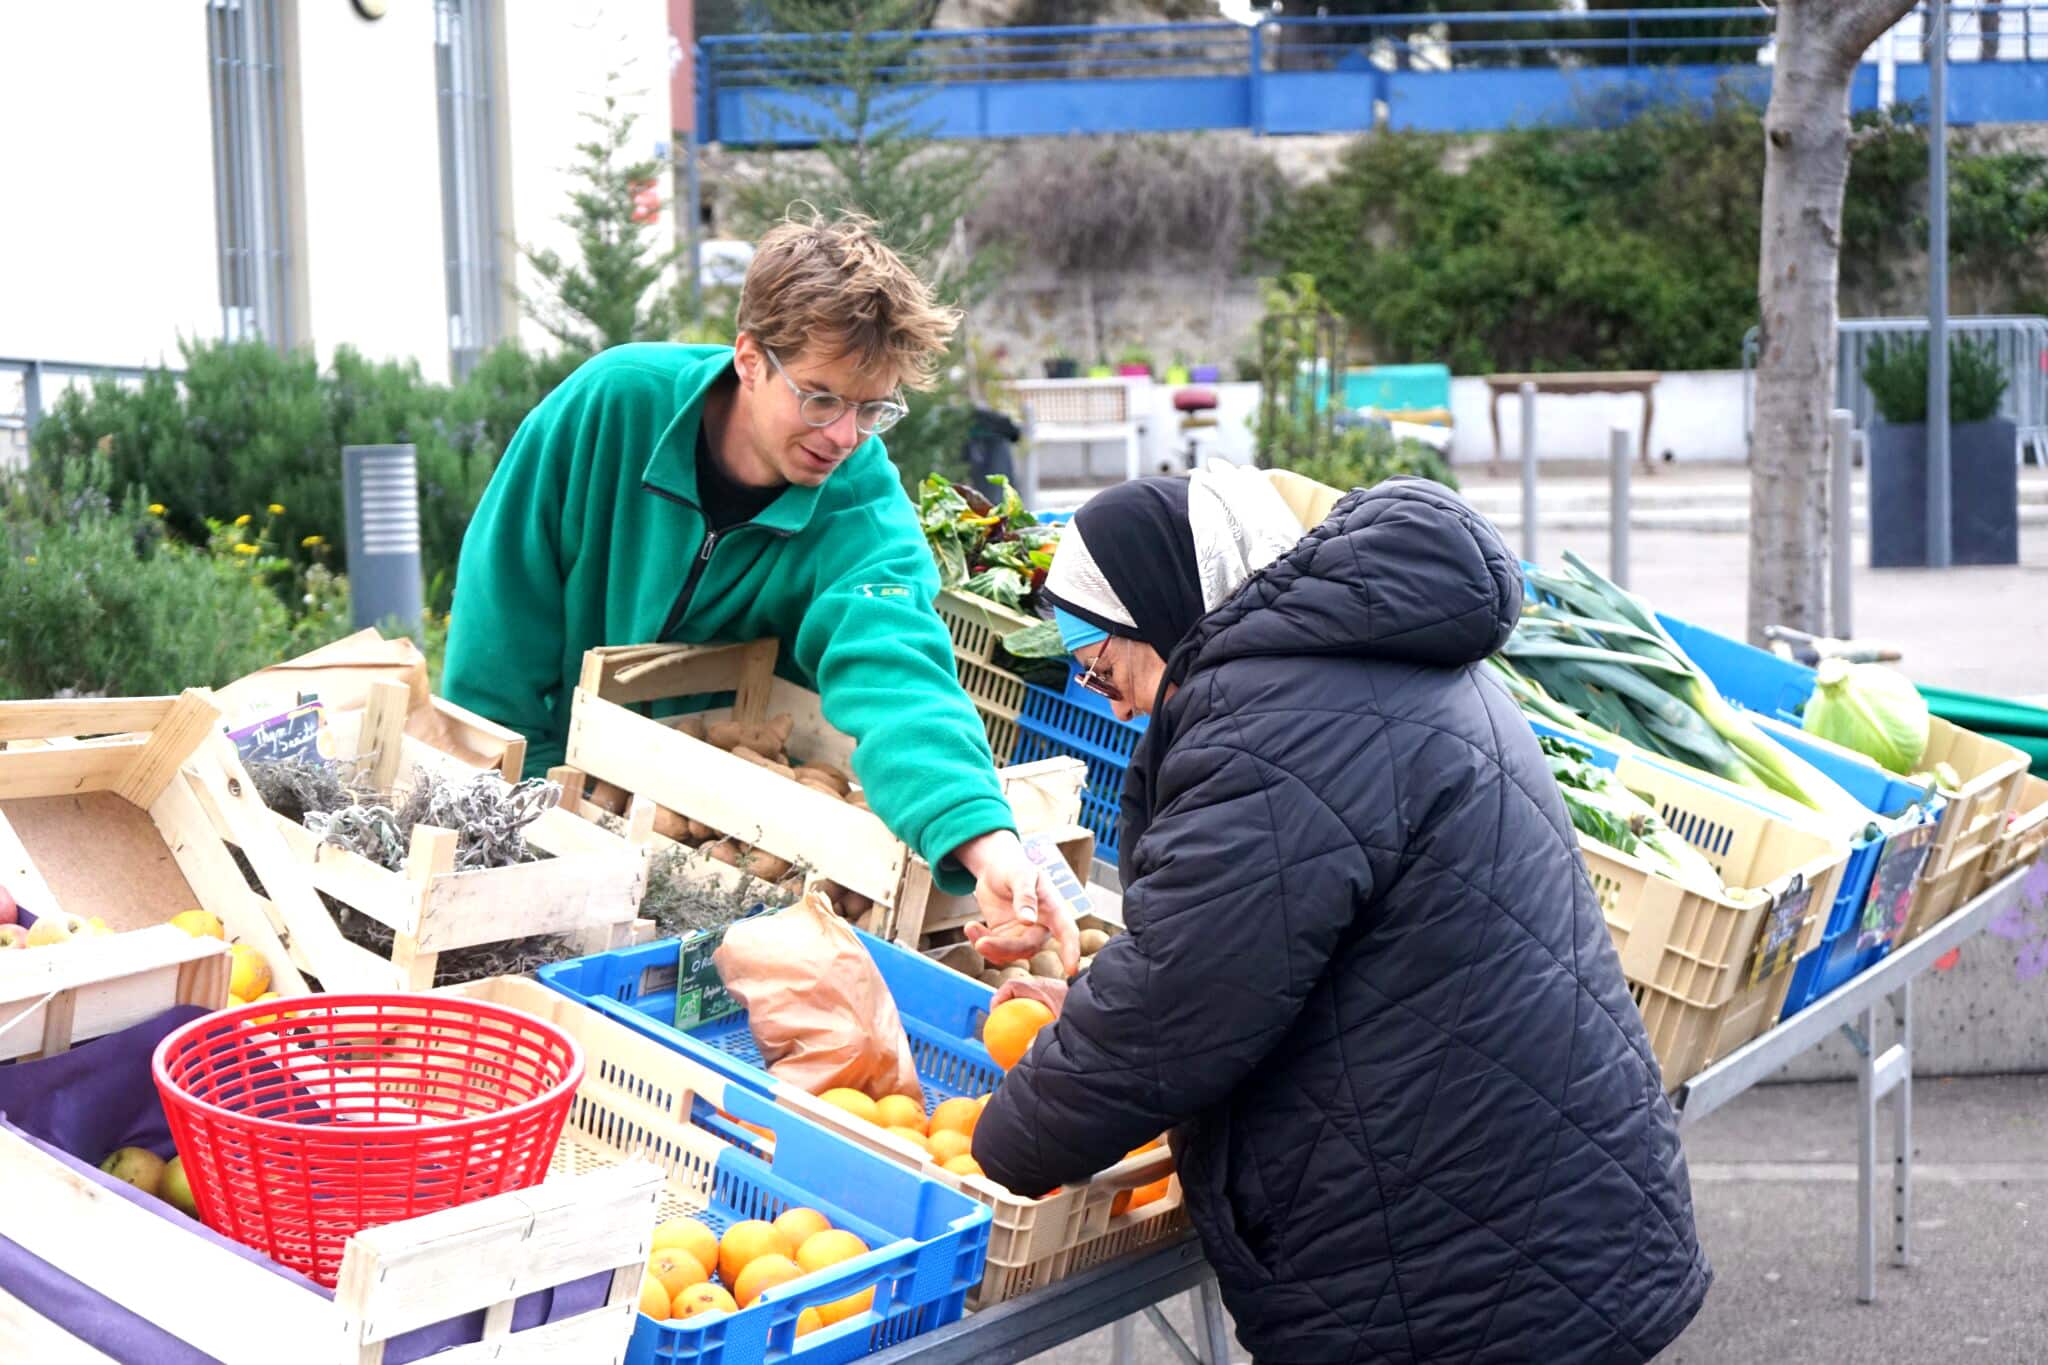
{"points": [[692, 1272], [948, 1135]]}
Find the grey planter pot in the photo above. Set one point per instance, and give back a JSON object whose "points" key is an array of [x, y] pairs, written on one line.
{"points": [[1984, 494]]}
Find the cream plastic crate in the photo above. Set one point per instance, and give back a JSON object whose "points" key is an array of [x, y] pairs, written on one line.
{"points": [[479, 1258], [1941, 892], [2025, 834], [1686, 1038], [978, 626], [1701, 949], [1993, 774]]}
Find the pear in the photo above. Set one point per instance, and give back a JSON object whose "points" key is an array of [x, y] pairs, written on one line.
{"points": [[56, 927], [138, 1166], [176, 1190]]}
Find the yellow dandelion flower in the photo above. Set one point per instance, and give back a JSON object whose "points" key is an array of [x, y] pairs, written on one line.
{"points": [[245, 548], [242, 520], [28, 559], [277, 509], [157, 509], [310, 541]]}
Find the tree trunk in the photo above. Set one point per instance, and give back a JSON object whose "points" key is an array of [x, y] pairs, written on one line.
{"points": [[1806, 164]]}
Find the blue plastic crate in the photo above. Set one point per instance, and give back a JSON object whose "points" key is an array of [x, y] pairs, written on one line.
{"points": [[1752, 678], [928, 1249], [1079, 724], [941, 1009]]}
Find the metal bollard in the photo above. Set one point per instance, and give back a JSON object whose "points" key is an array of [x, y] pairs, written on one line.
{"points": [[381, 504], [1842, 438], [1619, 460], [1528, 392]]}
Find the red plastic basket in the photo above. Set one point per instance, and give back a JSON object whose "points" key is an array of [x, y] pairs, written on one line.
{"points": [[304, 1121]]}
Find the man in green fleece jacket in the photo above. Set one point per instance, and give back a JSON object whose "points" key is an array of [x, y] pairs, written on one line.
{"points": [[726, 494]]}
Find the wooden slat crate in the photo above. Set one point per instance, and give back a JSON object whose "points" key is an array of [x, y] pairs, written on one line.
{"points": [[395, 1278], [62, 994], [589, 886], [123, 809], [689, 778]]}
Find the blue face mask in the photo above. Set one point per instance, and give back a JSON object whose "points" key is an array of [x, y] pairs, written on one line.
{"points": [[1076, 633]]}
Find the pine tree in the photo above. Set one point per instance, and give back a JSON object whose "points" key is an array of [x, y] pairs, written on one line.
{"points": [[622, 288]]}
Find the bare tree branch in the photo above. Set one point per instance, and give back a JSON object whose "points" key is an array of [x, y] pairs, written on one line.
{"points": [[1853, 25]]}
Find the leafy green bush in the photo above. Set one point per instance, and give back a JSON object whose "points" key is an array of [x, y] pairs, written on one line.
{"points": [[96, 597], [1897, 375]]}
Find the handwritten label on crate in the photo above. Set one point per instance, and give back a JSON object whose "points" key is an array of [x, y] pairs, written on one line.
{"points": [[1778, 938], [1891, 887], [294, 734], [1045, 851], [701, 995]]}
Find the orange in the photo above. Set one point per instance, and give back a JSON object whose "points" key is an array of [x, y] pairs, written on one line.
{"points": [[653, 1298], [762, 1274], [956, 1116], [1010, 1028], [745, 1243], [964, 1165], [809, 1321], [854, 1103], [899, 1111], [947, 1144], [798, 1226], [830, 1249], [693, 1237], [677, 1268], [700, 1299], [914, 1136], [1138, 1198]]}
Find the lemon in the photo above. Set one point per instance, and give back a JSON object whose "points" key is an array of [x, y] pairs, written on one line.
{"points": [[251, 974], [199, 923]]}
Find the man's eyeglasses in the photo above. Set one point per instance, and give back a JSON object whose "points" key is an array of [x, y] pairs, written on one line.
{"points": [[820, 409], [1097, 682]]}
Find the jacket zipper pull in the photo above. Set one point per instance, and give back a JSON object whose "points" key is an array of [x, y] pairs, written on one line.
{"points": [[710, 539]]}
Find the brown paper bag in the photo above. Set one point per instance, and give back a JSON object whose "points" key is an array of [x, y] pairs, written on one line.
{"points": [[820, 1012]]}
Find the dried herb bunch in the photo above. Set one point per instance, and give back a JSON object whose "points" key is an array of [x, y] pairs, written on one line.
{"points": [[681, 899]]}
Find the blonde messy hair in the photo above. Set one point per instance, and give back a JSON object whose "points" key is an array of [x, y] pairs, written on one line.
{"points": [[834, 285]]}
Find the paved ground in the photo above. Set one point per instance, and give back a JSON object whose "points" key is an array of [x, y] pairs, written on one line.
{"points": [[1775, 1194]]}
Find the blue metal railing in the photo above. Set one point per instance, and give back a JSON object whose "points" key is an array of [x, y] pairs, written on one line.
{"points": [[1133, 77]]}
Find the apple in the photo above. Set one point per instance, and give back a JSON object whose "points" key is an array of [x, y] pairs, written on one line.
{"points": [[10, 913], [56, 927], [12, 936]]}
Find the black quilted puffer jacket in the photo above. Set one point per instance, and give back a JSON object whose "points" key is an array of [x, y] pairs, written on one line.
{"points": [[1367, 983]]}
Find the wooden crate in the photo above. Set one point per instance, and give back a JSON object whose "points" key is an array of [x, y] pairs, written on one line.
{"points": [[589, 887], [679, 773], [395, 1278], [67, 993], [123, 809]]}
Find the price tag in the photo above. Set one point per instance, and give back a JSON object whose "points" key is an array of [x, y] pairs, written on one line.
{"points": [[294, 734], [1779, 936], [1891, 886], [1044, 851], [701, 996]]}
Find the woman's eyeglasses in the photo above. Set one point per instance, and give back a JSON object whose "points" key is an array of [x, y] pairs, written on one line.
{"points": [[819, 409], [1097, 682]]}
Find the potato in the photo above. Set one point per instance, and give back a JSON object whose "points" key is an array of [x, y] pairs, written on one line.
{"points": [[763, 761], [699, 832], [782, 725], [824, 776], [765, 865], [725, 851], [818, 785], [791, 886], [993, 978], [730, 735], [856, 904], [691, 725], [1047, 963], [607, 796], [669, 825], [859, 800], [1093, 941]]}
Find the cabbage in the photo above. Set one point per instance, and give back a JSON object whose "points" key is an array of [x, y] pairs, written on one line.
{"points": [[1872, 710]]}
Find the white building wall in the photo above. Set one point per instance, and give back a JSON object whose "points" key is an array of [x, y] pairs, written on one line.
{"points": [[108, 250]]}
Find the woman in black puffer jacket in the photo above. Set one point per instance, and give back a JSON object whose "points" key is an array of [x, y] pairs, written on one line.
{"points": [[1365, 981]]}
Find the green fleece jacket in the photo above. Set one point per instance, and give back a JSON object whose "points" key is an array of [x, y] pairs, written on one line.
{"points": [[590, 534]]}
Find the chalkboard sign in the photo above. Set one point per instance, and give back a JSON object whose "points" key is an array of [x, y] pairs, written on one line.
{"points": [[1778, 938], [1891, 886], [701, 995], [295, 734]]}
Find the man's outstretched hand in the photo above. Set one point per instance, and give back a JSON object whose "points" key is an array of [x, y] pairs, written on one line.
{"points": [[1021, 910]]}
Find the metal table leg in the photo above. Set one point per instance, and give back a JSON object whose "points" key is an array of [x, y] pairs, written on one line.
{"points": [[1902, 1132], [1878, 1074], [1123, 1341], [1211, 1328]]}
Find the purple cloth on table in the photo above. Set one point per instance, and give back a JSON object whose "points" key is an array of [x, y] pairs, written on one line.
{"points": [[80, 1105]]}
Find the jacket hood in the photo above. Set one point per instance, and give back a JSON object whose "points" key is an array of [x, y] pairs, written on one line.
{"points": [[1403, 571]]}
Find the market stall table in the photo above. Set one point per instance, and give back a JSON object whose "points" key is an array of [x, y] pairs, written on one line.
{"points": [[1643, 382], [1852, 1008]]}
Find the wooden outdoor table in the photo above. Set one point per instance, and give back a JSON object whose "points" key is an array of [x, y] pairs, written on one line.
{"points": [[1643, 382]]}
